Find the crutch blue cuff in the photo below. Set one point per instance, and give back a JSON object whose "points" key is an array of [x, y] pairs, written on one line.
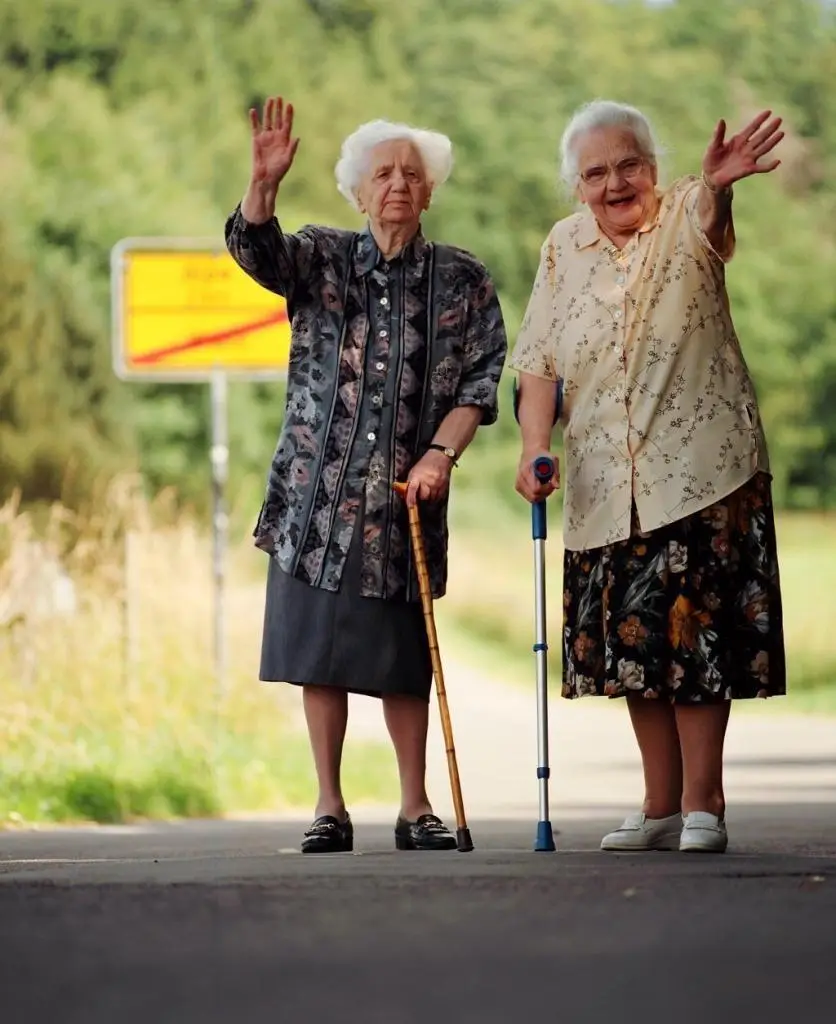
{"points": [[540, 647], [544, 773], [538, 521]]}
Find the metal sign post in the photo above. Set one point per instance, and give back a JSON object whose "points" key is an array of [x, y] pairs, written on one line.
{"points": [[220, 520], [184, 313]]}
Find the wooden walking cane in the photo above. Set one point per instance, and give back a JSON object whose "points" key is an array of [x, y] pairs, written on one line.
{"points": [[464, 843]]}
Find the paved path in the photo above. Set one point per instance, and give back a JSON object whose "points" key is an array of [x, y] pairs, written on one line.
{"points": [[209, 923]]}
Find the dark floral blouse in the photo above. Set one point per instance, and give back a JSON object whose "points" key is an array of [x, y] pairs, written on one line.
{"points": [[381, 352]]}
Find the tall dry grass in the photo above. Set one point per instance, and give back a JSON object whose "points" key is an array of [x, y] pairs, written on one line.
{"points": [[109, 707]]}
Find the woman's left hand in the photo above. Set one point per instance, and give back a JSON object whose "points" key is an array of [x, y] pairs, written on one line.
{"points": [[429, 478], [726, 162]]}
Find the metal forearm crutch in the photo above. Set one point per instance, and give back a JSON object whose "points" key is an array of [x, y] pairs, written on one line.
{"points": [[464, 843], [544, 469]]}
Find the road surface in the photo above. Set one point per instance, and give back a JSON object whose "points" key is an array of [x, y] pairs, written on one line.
{"points": [[222, 922], [214, 923]]}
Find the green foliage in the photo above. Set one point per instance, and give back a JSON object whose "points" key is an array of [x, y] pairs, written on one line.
{"points": [[122, 119]]}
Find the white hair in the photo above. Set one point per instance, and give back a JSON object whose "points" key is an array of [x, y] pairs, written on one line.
{"points": [[604, 114], [435, 149]]}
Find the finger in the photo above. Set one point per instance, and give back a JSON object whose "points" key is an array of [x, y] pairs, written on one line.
{"points": [[277, 124], [765, 147], [760, 137], [412, 493], [425, 491], [766, 168], [718, 136], [755, 123], [269, 107], [287, 125], [293, 147]]}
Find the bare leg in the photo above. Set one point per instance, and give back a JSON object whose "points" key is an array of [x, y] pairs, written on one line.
{"points": [[654, 723], [407, 719], [326, 712], [702, 734]]}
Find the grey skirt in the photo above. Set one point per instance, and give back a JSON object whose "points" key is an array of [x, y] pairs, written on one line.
{"points": [[358, 644]]}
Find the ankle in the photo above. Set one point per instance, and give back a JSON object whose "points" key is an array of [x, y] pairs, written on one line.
{"points": [[711, 805], [334, 806], [413, 809], [707, 797], [657, 809]]}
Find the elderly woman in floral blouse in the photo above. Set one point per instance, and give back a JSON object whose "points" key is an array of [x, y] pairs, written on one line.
{"points": [[671, 585], [397, 348]]}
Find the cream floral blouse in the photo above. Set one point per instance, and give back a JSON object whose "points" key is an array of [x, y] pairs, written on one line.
{"points": [[658, 404]]}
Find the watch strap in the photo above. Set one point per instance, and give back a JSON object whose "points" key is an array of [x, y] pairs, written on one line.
{"points": [[451, 453]]}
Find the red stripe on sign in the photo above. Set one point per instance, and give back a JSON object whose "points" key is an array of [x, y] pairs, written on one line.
{"points": [[157, 354]]}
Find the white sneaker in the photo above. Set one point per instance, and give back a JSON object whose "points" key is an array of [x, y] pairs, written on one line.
{"points": [[642, 833], [703, 833]]}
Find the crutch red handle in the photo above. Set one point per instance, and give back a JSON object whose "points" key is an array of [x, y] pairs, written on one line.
{"points": [[544, 468]]}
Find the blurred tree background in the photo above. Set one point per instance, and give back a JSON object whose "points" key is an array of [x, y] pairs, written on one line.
{"points": [[124, 118]]}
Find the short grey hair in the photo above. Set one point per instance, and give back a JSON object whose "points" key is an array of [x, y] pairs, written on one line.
{"points": [[436, 152], [604, 114]]}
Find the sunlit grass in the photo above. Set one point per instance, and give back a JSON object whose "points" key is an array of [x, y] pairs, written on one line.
{"points": [[93, 726]]}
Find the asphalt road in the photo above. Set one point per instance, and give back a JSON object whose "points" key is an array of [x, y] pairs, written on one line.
{"points": [[224, 922]]}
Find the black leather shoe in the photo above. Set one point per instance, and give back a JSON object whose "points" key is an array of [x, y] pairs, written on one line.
{"points": [[427, 833], [328, 835]]}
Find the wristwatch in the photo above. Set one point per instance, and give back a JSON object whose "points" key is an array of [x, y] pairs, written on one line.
{"points": [[451, 453]]}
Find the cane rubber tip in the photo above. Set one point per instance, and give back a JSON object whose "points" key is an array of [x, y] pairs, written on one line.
{"points": [[544, 843], [464, 844]]}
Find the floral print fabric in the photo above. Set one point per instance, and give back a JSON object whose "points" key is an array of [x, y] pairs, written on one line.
{"points": [[689, 613], [381, 351], [659, 409]]}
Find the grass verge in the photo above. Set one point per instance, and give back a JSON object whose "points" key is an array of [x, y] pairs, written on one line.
{"points": [[109, 709]]}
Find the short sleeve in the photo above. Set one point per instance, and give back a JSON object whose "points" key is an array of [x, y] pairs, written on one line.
{"points": [[534, 348], [689, 197]]}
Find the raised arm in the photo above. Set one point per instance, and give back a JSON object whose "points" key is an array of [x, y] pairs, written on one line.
{"points": [[726, 162], [253, 235]]}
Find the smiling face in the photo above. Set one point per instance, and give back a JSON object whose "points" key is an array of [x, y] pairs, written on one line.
{"points": [[394, 190], [617, 182]]}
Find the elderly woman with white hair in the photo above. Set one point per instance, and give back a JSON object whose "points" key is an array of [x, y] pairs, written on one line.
{"points": [[398, 344], [671, 586]]}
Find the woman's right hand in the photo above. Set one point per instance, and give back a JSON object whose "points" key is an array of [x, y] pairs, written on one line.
{"points": [[273, 149], [527, 484]]}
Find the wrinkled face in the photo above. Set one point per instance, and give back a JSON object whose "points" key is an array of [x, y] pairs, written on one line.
{"points": [[394, 189], [616, 181]]}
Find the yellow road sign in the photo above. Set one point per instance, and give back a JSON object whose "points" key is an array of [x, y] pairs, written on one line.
{"points": [[183, 309]]}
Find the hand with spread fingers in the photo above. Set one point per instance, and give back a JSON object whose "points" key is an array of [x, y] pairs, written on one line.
{"points": [[273, 146], [726, 162]]}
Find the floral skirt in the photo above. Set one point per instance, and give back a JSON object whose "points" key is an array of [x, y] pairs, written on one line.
{"points": [[690, 612]]}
